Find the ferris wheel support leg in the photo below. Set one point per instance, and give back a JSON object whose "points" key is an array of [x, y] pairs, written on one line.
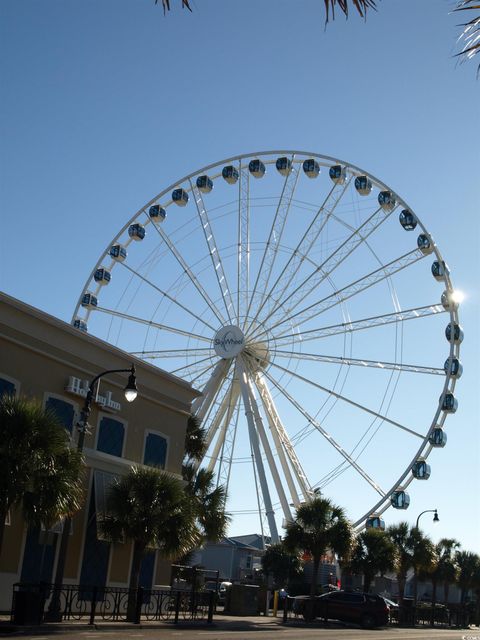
{"points": [[258, 456], [268, 452], [201, 405], [283, 443], [272, 418]]}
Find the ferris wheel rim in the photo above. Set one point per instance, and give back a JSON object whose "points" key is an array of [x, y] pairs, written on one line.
{"points": [[450, 381]]}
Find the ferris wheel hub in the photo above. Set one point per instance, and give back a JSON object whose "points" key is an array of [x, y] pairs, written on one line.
{"points": [[228, 342]]}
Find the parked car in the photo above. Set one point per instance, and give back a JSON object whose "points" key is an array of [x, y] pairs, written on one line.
{"points": [[365, 609], [220, 588]]}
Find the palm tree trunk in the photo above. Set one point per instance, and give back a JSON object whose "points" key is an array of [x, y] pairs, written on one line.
{"points": [[138, 551], [401, 592], [367, 582], [3, 517], [446, 589], [313, 584], [434, 600]]}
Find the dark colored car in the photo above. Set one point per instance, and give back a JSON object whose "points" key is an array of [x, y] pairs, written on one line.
{"points": [[365, 609]]}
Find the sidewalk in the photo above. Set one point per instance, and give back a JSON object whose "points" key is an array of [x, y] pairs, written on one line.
{"points": [[220, 622]]}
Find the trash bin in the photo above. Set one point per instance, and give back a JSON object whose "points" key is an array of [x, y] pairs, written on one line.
{"points": [[242, 600], [28, 607]]}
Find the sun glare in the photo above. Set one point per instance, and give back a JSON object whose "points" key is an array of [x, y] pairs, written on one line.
{"points": [[458, 296]]}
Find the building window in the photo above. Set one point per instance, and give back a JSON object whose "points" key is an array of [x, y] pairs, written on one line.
{"points": [[111, 434], [155, 454], [65, 411], [7, 387]]}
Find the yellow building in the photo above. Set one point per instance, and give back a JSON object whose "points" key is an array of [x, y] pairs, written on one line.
{"points": [[44, 358]]}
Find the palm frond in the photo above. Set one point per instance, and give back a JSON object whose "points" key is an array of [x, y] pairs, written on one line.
{"points": [[166, 5], [470, 36], [360, 5]]}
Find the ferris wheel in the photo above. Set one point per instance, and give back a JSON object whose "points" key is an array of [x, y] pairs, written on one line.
{"points": [[311, 307]]}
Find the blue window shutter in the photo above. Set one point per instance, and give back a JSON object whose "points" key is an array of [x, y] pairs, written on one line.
{"points": [[63, 410], [110, 436], [155, 454]]}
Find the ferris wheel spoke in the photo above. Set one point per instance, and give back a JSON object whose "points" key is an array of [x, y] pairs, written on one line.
{"points": [[200, 376], [349, 401], [358, 286], [173, 353], [167, 296], [214, 252], [365, 323], [325, 434], [335, 259], [151, 323], [243, 237], [275, 237], [300, 253], [195, 366], [360, 362], [192, 277]]}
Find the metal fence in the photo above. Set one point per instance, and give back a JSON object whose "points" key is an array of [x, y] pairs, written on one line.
{"points": [[36, 603]]}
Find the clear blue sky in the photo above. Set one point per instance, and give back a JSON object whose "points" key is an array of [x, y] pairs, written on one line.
{"points": [[106, 103]]}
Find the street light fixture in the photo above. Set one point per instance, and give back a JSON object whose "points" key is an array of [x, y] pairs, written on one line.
{"points": [[54, 613], [435, 517], [415, 577]]}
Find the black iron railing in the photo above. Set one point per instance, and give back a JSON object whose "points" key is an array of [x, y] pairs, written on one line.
{"points": [[30, 604]]}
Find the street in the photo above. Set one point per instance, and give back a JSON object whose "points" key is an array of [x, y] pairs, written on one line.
{"points": [[247, 630]]}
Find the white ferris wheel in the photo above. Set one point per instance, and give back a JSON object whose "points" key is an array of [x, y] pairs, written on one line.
{"points": [[314, 311]]}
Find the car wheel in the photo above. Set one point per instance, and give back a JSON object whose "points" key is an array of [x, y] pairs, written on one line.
{"points": [[368, 621]]}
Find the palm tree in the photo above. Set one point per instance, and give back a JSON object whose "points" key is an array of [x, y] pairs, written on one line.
{"points": [[39, 472], [468, 563], [422, 556], [476, 589], [443, 568], [208, 502], [151, 509], [400, 536], [319, 526], [281, 563], [413, 550], [209, 499], [195, 440], [373, 553]]}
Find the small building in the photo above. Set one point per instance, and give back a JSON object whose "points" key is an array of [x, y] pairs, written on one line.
{"points": [[51, 361], [235, 559]]}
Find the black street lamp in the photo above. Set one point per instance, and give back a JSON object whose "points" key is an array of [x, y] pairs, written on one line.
{"points": [[435, 517], [54, 612], [415, 577]]}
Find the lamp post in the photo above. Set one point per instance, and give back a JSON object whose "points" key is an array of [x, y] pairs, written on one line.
{"points": [[130, 391], [417, 530], [435, 517]]}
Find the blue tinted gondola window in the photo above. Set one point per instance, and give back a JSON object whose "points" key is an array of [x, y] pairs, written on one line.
{"points": [[65, 411], [111, 434], [155, 454]]}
